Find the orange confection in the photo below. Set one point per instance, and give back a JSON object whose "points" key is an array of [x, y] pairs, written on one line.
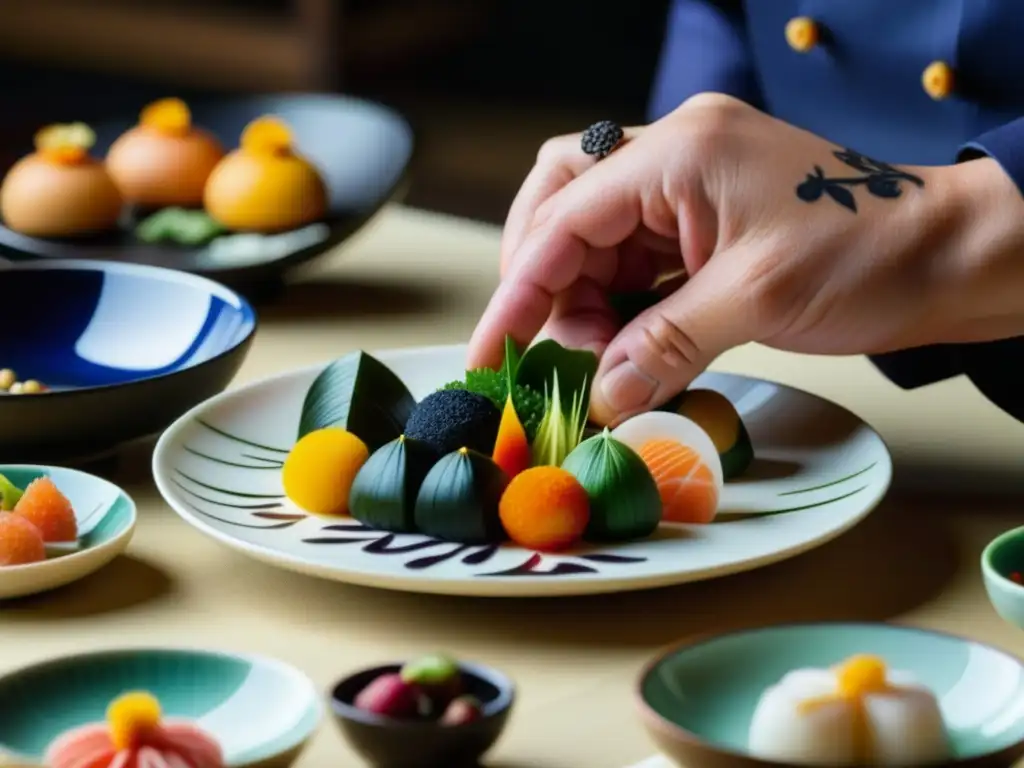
{"points": [[511, 447], [265, 185], [49, 510], [165, 160], [20, 541], [685, 482], [545, 509], [60, 190]]}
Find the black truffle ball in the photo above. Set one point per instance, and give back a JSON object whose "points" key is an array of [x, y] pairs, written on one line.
{"points": [[453, 419]]}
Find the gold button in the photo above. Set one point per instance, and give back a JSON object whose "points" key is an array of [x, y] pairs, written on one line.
{"points": [[937, 80], [802, 34]]}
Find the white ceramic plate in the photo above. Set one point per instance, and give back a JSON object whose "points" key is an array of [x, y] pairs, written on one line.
{"points": [[106, 522], [819, 470]]}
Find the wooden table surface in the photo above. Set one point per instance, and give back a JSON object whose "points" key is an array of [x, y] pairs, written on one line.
{"points": [[413, 278]]}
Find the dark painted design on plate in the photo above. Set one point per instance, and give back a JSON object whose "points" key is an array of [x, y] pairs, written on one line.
{"points": [[429, 551]]}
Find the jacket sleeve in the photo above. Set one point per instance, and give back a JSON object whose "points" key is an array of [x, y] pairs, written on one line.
{"points": [[705, 49], [1005, 145], [992, 366]]}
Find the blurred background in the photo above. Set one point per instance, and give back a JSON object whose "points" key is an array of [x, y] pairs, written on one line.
{"points": [[483, 82]]}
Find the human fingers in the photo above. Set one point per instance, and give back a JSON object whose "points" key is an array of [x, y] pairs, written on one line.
{"points": [[559, 161], [603, 211], [663, 349]]}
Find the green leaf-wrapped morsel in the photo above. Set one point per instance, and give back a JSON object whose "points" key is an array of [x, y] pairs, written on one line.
{"points": [[383, 495], [361, 394], [458, 500], [624, 499]]}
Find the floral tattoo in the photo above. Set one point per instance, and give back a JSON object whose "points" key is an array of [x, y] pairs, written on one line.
{"points": [[881, 180]]}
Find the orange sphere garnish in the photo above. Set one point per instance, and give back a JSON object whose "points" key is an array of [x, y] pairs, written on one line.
{"points": [[65, 144], [267, 136], [169, 116], [130, 716], [545, 508]]}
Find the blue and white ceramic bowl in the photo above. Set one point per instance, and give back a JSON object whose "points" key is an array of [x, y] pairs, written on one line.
{"points": [[106, 521], [123, 349], [261, 711]]}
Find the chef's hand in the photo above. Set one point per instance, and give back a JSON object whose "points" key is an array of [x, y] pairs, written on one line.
{"points": [[786, 240]]}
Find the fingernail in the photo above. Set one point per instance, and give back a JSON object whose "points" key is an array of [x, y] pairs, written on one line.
{"points": [[626, 387]]}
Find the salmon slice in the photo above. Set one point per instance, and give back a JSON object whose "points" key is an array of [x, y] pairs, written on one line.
{"points": [[685, 483]]}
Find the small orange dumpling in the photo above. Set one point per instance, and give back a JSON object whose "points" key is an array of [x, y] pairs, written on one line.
{"points": [[265, 185], [60, 190], [164, 160]]}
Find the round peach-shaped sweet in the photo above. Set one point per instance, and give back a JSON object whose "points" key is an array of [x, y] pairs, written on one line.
{"points": [[265, 185], [60, 190], [164, 160]]}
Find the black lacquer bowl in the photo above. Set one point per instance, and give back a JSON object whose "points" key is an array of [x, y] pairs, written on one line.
{"points": [[389, 743], [361, 149], [124, 350]]}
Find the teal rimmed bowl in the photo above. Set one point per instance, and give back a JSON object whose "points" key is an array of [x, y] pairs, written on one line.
{"points": [[263, 712], [106, 521], [697, 699], [1003, 557]]}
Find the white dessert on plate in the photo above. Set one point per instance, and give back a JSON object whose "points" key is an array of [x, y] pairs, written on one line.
{"points": [[857, 713]]}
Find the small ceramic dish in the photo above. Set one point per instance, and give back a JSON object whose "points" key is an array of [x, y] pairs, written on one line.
{"points": [[261, 711], [390, 743], [123, 349], [697, 699], [1000, 561], [106, 522]]}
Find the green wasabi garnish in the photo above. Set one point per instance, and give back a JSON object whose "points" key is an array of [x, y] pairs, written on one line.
{"points": [[179, 225]]}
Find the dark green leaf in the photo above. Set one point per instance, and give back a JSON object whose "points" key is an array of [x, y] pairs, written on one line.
{"points": [[361, 394], [576, 369], [459, 498], [383, 495]]}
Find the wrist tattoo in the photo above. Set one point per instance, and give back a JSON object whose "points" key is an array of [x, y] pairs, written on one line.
{"points": [[880, 179]]}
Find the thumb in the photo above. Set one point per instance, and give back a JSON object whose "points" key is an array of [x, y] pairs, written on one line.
{"points": [[658, 354]]}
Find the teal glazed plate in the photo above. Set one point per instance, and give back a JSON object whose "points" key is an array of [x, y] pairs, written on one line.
{"points": [[697, 699], [1001, 562], [818, 471], [106, 522], [261, 711]]}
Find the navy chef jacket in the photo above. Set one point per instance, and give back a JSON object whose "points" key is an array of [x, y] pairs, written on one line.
{"points": [[918, 82]]}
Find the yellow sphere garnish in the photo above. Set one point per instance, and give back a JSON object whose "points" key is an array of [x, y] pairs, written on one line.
{"points": [[861, 675], [319, 472], [68, 143], [267, 135], [168, 116], [129, 714]]}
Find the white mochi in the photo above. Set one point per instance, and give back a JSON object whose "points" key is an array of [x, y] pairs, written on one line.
{"points": [[903, 727]]}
